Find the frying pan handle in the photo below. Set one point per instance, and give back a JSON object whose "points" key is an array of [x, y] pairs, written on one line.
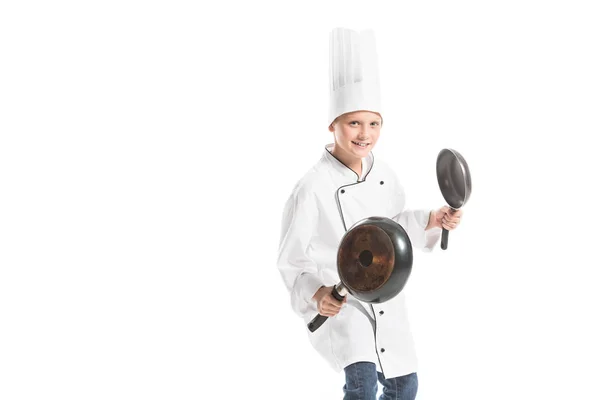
{"points": [[445, 232], [445, 238], [316, 322], [319, 319]]}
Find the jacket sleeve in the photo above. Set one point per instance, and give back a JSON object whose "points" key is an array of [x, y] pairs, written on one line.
{"points": [[414, 222], [299, 272]]}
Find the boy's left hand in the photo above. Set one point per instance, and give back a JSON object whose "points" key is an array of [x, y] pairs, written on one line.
{"points": [[446, 217]]}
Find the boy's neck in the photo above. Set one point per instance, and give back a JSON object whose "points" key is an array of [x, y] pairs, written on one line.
{"points": [[355, 164]]}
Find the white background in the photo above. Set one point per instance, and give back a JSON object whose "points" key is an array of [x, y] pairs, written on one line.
{"points": [[147, 149]]}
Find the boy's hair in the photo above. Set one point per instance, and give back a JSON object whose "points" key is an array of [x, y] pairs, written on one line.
{"points": [[338, 117]]}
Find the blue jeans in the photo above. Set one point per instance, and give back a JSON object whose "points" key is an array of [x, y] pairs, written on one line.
{"points": [[361, 384]]}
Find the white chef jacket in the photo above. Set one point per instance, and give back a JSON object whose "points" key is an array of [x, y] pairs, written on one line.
{"points": [[324, 204]]}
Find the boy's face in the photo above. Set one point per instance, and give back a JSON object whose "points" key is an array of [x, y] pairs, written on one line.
{"points": [[356, 133]]}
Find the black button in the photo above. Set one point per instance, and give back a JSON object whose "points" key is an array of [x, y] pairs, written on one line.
{"points": [[343, 191], [382, 350], [381, 312], [381, 183]]}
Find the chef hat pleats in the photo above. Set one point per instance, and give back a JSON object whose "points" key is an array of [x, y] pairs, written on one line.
{"points": [[354, 72]]}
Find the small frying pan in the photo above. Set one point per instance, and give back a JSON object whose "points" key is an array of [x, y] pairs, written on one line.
{"points": [[374, 262], [454, 180]]}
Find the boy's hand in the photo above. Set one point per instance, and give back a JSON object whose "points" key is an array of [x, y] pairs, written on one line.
{"points": [[446, 217], [327, 305]]}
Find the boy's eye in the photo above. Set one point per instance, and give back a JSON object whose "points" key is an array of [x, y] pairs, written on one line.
{"points": [[354, 123], [374, 123]]}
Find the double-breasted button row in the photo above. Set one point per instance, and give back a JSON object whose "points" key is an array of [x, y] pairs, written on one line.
{"points": [[344, 191]]}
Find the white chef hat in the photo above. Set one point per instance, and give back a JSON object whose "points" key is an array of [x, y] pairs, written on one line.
{"points": [[353, 72]]}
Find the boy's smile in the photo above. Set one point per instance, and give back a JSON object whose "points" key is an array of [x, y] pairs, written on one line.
{"points": [[361, 144]]}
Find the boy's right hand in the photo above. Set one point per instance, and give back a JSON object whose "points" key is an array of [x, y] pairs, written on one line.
{"points": [[327, 305]]}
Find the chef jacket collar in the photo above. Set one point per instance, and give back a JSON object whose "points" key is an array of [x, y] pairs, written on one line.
{"points": [[345, 171]]}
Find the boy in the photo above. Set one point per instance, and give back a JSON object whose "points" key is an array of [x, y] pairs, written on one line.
{"points": [[371, 342]]}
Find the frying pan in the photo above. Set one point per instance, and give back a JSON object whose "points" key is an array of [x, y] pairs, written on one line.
{"points": [[374, 262], [454, 180]]}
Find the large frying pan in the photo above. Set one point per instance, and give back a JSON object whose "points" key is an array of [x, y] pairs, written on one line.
{"points": [[374, 262], [454, 180]]}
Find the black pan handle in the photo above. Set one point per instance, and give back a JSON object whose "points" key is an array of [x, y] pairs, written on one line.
{"points": [[316, 322], [445, 232], [445, 238], [319, 319]]}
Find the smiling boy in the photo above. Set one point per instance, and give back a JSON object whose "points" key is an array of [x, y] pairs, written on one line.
{"points": [[370, 342]]}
